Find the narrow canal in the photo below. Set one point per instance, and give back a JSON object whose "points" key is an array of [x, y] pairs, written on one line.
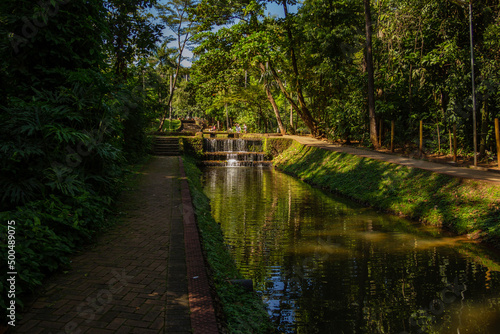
{"points": [[324, 264]]}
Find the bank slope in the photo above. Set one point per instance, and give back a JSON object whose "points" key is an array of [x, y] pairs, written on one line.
{"points": [[464, 206]]}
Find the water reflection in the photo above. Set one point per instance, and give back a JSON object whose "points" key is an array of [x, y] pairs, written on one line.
{"points": [[324, 264]]}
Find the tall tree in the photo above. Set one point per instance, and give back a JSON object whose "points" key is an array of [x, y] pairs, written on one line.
{"points": [[332, 39], [302, 108], [267, 88], [370, 74], [176, 16]]}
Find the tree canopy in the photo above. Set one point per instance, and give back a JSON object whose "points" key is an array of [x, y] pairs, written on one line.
{"points": [[317, 62]]}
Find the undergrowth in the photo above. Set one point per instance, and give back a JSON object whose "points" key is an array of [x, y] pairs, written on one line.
{"points": [[465, 207], [244, 311]]}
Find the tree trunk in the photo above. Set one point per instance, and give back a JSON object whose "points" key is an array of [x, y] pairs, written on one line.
{"points": [[272, 101], [227, 117], [371, 81], [181, 46], [121, 65], [276, 110], [171, 89], [304, 112], [177, 70], [305, 115]]}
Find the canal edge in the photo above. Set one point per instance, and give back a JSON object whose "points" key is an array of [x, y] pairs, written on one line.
{"points": [[201, 303]]}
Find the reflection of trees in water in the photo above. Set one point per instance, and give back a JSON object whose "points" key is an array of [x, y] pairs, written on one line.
{"points": [[325, 265]]}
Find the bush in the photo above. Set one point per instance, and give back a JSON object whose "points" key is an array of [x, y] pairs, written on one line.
{"points": [[47, 231], [192, 146], [62, 165], [275, 146]]}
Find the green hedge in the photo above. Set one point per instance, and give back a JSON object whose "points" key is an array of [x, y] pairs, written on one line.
{"points": [[464, 206], [192, 146], [46, 232]]}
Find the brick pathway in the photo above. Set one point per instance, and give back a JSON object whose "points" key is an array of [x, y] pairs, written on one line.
{"points": [[461, 172], [134, 280]]}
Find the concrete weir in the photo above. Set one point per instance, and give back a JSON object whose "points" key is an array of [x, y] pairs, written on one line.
{"points": [[234, 152]]}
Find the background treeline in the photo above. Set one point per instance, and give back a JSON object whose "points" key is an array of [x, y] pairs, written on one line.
{"points": [[307, 70]]}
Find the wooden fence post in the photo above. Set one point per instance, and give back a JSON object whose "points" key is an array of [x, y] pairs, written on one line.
{"points": [[421, 147], [451, 140], [497, 135], [439, 139], [392, 136], [380, 134], [455, 142]]}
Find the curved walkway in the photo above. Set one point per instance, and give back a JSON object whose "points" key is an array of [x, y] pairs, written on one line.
{"points": [[461, 172], [145, 275]]}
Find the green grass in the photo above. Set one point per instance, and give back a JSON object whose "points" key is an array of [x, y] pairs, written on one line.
{"points": [[462, 206], [49, 231], [244, 311], [172, 126]]}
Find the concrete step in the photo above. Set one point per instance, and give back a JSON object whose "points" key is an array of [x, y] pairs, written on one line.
{"points": [[166, 145], [169, 154], [166, 142]]}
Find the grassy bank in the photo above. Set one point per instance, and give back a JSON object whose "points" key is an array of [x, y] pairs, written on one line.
{"points": [[464, 206], [243, 311]]}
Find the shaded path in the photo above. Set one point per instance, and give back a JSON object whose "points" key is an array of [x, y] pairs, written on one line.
{"points": [[461, 172], [134, 279]]}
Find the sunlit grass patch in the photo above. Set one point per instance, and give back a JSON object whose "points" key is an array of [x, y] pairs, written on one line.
{"points": [[465, 207]]}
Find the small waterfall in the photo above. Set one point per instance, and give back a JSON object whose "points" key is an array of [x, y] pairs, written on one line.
{"points": [[233, 152], [232, 145]]}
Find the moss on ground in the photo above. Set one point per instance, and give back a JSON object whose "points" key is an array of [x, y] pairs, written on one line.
{"points": [[463, 206], [244, 312]]}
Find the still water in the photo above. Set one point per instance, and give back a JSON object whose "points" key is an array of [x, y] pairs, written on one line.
{"points": [[324, 264]]}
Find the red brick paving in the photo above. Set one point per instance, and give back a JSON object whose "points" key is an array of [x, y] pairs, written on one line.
{"points": [[202, 309], [135, 278]]}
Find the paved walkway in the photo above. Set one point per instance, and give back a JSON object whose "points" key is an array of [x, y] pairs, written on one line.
{"points": [[136, 278], [461, 172]]}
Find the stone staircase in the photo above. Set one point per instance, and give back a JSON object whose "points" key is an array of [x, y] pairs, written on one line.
{"points": [[166, 146], [190, 126]]}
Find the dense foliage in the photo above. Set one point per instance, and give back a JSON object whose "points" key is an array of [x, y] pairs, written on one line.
{"points": [[73, 116], [83, 81]]}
